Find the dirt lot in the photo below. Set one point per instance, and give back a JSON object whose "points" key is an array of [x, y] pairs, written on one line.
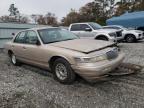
{"points": [[31, 87]]}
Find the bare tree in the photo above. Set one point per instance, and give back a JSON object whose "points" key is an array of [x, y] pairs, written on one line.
{"points": [[48, 19]]}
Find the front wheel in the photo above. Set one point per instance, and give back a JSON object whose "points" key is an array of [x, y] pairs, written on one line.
{"points": [[130, 38], [63, 71]]}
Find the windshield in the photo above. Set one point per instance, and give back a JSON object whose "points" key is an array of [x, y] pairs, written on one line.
{"points": [[52, 35], [95, 26], [124, 28]]}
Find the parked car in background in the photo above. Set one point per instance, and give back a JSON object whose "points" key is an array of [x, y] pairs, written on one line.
{"points": [[128, 34], [95, 31], [64, 53]]}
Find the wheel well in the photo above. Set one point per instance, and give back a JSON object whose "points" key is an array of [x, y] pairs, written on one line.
{"points": [[10, 52], [101, 36], [53, 59]]}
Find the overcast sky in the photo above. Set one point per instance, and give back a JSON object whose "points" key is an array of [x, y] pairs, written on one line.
{"points": [[59, 7]]}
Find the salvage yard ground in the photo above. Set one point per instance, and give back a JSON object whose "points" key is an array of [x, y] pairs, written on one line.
{"points": [[31, 87]]}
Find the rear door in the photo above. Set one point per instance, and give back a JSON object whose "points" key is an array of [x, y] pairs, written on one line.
{"points": [[18, 45], [75, 28]]}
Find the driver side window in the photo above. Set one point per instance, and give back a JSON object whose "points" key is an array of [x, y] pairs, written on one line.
{"points": [[31, 38], [84, 27]]}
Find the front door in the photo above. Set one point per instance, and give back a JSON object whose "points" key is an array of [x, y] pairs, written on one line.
{"points": [[84, 33]]}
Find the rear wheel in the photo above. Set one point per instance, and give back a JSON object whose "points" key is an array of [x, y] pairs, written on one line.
{"points": [[130, 38], [63, 71]]}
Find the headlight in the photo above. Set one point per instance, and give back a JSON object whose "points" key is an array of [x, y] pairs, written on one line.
{"points": [[90, 59], [112, 34]]}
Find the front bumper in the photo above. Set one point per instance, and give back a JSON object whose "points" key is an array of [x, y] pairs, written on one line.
{"points": [[139, 36], [95, 71]]}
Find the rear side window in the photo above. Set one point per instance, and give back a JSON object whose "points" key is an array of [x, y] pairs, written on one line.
{"points": [[20, 38], [75, 27]]}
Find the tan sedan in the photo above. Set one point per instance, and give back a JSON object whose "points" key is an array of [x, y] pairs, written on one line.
{"points": [[64, 53]]}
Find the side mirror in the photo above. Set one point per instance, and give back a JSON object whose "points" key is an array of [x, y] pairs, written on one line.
{"points": [[13, 34], [88, 29], [38, 43]]}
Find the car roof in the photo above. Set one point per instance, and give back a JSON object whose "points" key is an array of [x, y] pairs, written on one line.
{"points": [[41, 28], [114, 26], [83, 23]]}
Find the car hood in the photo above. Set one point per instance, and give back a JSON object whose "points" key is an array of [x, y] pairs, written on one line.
{"points": [[135, 31], [83, 45], [106, 30]]}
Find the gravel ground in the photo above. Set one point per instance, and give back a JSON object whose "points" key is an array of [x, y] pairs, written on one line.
{"points": [[31, 87]]}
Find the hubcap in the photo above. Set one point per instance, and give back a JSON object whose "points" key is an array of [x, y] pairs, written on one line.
{"points": [[61, 71], [13, 59]]}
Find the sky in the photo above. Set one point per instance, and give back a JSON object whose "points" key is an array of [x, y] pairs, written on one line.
{"points": [[28, 7]]}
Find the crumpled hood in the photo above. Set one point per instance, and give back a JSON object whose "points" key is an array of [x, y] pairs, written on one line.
{"points": [[83, 45]]}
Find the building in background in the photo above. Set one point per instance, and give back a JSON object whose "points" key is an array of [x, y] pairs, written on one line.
{"points": [[129, 20], [7, 29]]}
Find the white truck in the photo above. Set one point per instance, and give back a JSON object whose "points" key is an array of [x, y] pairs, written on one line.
{"points": [[96, 31]]}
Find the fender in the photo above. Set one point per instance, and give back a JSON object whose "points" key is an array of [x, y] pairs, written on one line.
{"points": [[101, 34]]}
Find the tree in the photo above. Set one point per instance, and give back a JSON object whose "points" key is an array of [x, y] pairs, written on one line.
{"points": [[91, 12], [41, 20], [51, 19], [14, 12], [14, 16], [48, 19], [72, 17], [129, 6]]}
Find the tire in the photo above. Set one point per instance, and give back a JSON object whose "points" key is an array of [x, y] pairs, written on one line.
{"points": [[63, 71], [13, 59], [130, 38], [102, 38]]}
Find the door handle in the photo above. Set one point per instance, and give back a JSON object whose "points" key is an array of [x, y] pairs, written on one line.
{"points": [[12, 46]]}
